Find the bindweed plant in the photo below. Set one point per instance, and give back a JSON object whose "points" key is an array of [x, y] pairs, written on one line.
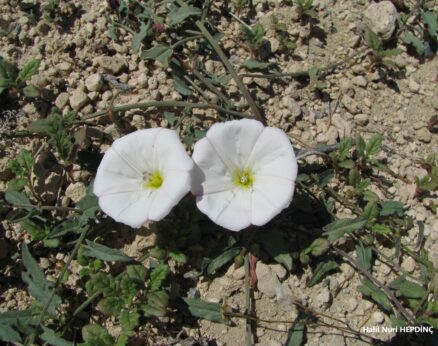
{"points": [[13, 79]]}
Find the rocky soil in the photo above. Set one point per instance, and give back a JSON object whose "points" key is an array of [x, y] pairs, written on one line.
{"points": [[83, 69]]}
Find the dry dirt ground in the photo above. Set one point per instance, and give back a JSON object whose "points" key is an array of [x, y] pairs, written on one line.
{"points": [[358, 100]]}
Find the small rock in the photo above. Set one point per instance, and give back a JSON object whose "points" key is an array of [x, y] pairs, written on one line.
{"points": [[239, 273], [279, 270], [274, 43], [267, 280], [64, 66], [409, 264], [94, 82], [76, 191], [350, 104], [152, 83], [351, 304], [323, 298], [414, 87], [78, 99], [113, 64], [360, 81], [381, 18], [142, 80], [294, 108], [424, 135], [44, 262], [138, 121], [361, 119], [378, 317]]}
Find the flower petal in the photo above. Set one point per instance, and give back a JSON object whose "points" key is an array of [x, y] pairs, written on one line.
{"points": [[210, 174], [234, 140], [130, 208], [169, 153], [273, 155], [137, 149], [229, 209], [114, 175]]}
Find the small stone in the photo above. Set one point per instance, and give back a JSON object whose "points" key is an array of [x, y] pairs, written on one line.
{"points": [[351, 304], [239, 273], [113, 64], [62, 100], [378, 317], [424, 135], [64, 66], [350, 104], [78, 99], [361, 119], [267, 280], [94, 82], [138, 121], [408, 264], [274, 43], [293, 107], [381, 18], [142, 80], [323, 298], [414, 87], [279, 270], [152, 83], [76, 191], [360, 81], [44, 262]]}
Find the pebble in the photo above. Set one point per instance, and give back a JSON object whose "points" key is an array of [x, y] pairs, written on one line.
{"points": [[378, 317], [76, 191], [94, 82], [424, 135], [113, 64], [351, 304], [408, 264], [78, 99], [350, 104], [267, 280], [44, 262], [62, 100], [279, 270], [361, 119], [142, 80], [381, 18], [239, 273], [360, 81], [323, 298], [414, 87]]}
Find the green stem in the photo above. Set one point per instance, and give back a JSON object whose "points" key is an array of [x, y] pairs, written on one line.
{"points": [[249, 338], [30, 339], [234, 75], [144, 105]]}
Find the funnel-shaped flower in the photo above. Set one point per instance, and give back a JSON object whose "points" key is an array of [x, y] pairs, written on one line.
{"points": [[143, 176], [244, 174]]}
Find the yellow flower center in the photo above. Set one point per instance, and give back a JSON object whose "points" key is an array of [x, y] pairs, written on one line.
{"points": [[243, 178], [153, 180]]}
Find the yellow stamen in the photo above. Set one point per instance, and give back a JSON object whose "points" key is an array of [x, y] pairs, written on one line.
{"points": [[243, 178], [153, 180]]}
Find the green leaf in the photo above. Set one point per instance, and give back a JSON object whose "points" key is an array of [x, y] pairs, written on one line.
{"points": [[391, 208], [373, 41], [31, 91], [178, 257], [18, 199], [354, 177], [430, 19], [370, 196], [219, 261], [371, 210], [369, 289], [276, 246], [252, 64], [17, 184], [137, 272], [320, 271], [319, 246], [100, 282], [360, 146], [408, 289], [111, 305], [207, 311], [181, 86], [38, 286], [129, 320], [178, 14], [295, 335], [8, 72], [160, 52], [157, 277], [28, 70], [373, 146], [138, 38], [409, 38], [379, 228], [347, 164], [51, 338], [338, 228], [97, 335], [33, 229], [364, 255], [89, 204], [104, 253], [6, 83], [9, 334]]}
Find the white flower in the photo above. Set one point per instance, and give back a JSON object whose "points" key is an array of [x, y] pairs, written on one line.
{"points": [[143, 176], [244, 173]]}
